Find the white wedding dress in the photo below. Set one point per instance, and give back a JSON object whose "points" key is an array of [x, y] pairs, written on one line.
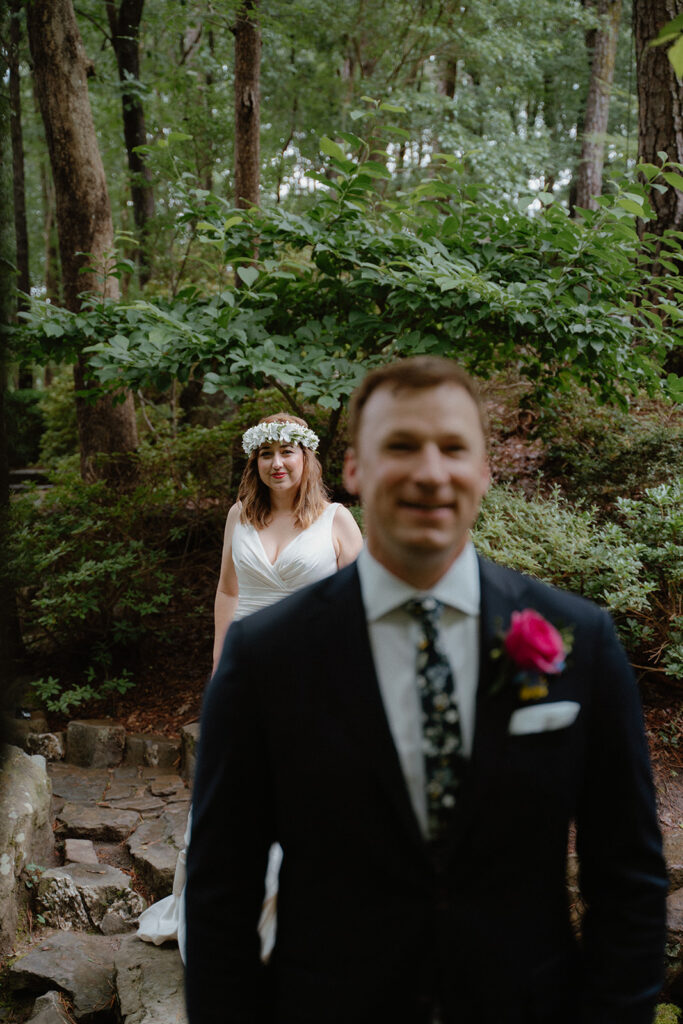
{"points": [[306, 559]]}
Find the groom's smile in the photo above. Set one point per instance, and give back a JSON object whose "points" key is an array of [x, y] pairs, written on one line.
{"points": [[420, 467]]}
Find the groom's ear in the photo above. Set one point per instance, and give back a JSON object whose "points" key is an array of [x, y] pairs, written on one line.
{"points": [[350, 471]]}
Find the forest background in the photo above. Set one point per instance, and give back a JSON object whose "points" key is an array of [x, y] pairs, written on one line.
{"points": [[212, 211]]}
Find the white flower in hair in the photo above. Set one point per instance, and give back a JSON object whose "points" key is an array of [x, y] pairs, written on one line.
{"points": [[285, 432]]}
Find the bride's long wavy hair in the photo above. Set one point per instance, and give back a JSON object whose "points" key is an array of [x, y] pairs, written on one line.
{"points": [[311, 496]]}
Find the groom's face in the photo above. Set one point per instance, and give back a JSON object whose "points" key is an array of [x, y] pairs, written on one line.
{"points": [[420, 468]]}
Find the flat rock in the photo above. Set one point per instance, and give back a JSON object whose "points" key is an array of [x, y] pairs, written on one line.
{"points": [[78, 785], [154, 847], [96, 743], [150, 983], [80, 965], [84, 821], [49, 744], [124, 789], [169, 786], [25, 831], [144, 805], [80, 851], [189, 738], [49, 1009], [84, 895]]}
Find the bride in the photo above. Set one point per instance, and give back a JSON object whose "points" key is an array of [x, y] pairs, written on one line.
{"points": [[280, 535]]}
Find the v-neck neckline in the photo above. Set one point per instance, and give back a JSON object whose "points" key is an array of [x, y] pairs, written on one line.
{"points": [[282, 550]]}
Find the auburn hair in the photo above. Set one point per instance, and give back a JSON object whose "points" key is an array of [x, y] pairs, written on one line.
{"points": [[311, 496]]}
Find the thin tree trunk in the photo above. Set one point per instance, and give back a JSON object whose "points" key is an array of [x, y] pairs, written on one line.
{"points": [[50, 238], [660, 105], [10, 636], [83, 213], [19, 187], [603, 43], [247, 105], [125, 31]]}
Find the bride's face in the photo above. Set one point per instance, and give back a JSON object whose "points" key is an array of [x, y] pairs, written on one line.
{"points": [[280, 466]]}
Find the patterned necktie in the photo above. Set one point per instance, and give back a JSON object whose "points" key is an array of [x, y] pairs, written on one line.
{"points": [[441, 739]]}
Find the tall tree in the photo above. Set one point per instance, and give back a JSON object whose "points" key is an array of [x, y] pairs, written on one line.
{"points": [[84, 223], [247, 104], [124, 25], [18, 178], [660, 105], [10, 639], [602, 46]]}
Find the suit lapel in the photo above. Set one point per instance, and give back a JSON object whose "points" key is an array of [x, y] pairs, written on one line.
{"points": [[355, 691], [501, 594]]}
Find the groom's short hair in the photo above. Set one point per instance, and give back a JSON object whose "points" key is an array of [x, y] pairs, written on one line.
{"points": [[414, 374]]}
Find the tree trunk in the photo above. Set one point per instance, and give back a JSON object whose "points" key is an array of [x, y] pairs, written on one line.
{"points": [[19, 189], [10, 636], [84, 223], [125, 31], [247, 105], [660, 105], [51, 241], [603, 44], [660, 125]]}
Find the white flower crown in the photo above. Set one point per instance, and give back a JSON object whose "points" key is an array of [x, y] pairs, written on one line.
{"points": [[284, 432]]}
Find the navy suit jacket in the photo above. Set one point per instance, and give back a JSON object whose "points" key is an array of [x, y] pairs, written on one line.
{"points": [[372, 928]]}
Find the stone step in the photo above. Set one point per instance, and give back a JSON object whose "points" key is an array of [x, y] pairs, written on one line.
{"points": [[85, 896], [80, 965]]}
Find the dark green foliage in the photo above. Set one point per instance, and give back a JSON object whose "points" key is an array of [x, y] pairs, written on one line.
{"points": [[25, 421], [633, 567], [601, 453], [60, 436], [447, 267]]}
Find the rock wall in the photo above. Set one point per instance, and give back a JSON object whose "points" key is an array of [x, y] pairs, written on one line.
{"points": [[25, 831]]}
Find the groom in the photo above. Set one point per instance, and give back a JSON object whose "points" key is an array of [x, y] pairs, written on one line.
{"points": [[419, 732]]}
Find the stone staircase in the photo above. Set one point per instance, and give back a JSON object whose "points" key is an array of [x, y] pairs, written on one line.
{"points": [[119, 810]]}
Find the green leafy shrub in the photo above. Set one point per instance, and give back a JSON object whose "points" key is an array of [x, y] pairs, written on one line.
{"points": [[86, 578], [563, 545], [25, 422], [59, 408], [602, 452], [654, 524], [667, 1013], [633, 568]]}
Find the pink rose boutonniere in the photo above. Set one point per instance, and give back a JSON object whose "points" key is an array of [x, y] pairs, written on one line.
{"points": [[534, 649]]}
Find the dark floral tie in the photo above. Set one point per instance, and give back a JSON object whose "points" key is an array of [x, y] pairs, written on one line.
{"points": [[441, 739]]}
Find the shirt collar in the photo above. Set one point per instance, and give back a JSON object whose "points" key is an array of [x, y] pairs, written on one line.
{"points": [[382, 592]]}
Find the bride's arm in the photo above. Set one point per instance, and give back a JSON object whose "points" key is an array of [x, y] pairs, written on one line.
{"points": [[346, 537], [227, 593]]}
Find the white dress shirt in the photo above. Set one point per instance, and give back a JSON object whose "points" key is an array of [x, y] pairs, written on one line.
{"points": [[394, 639]]}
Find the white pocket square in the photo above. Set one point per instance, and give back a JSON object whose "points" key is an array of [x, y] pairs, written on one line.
{"points": [[543, 717]]}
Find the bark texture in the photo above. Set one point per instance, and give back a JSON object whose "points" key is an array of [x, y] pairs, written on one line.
{"points": [[10, 636], [124, 24], [19, 187], [660, 104], [83, 212], [602, 44], [247, 104]]}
